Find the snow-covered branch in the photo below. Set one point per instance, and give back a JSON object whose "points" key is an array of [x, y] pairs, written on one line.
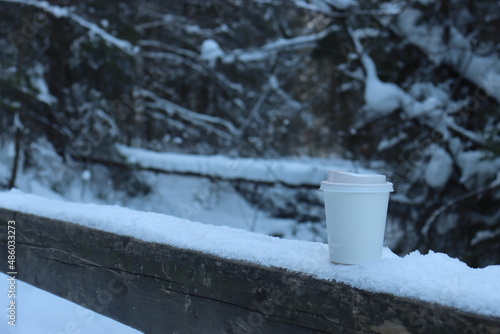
{"points": [[334, 8], [168, 47], [205, 70], [472, 136], [484, 71], [190, 116], [66, 12], [318, 6], [271, 48], [381, 98], [291, 172]]}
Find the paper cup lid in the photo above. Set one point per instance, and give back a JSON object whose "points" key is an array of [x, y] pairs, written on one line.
{"points": [[339, 180]]}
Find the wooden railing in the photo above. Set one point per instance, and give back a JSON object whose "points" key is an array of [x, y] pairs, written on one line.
{"points": [[157, 288]]}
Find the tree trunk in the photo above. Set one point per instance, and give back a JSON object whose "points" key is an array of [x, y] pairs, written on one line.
{"points": [[15, 164]]}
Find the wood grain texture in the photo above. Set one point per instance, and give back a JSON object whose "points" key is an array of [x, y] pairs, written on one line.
{"points": [[157, 288]]}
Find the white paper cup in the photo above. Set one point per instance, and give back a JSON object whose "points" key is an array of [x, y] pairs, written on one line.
{"points": [[356, 212]]}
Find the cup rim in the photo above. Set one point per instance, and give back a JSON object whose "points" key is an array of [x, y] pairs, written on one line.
{"points": [[356, 187]]}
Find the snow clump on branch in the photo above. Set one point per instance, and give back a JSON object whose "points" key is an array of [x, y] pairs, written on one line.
{"points": [[211, 51]]}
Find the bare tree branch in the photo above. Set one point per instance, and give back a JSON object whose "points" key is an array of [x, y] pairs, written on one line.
{"points": [[92, 28], [188, 115], [450, 203]]}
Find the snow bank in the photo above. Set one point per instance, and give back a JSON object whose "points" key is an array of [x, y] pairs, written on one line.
{"points": [[433, 278], [290, 172], [43, 312]]}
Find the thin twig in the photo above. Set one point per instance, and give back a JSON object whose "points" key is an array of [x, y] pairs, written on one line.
{"points": [[432, 219]]}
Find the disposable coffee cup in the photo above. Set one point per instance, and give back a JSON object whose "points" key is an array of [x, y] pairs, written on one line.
{"points": [[356, 213]]}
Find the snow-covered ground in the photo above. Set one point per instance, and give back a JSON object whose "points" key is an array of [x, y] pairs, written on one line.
{"points": [[41, 312]]}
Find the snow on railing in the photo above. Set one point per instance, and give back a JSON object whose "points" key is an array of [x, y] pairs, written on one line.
{"points": [[433, 278]]}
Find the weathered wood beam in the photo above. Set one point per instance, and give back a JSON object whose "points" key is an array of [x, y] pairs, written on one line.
{"points": [[157, 288]]}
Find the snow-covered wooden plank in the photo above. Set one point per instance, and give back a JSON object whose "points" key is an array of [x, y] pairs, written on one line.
{"points": [[445, 280], [159, 288]]}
